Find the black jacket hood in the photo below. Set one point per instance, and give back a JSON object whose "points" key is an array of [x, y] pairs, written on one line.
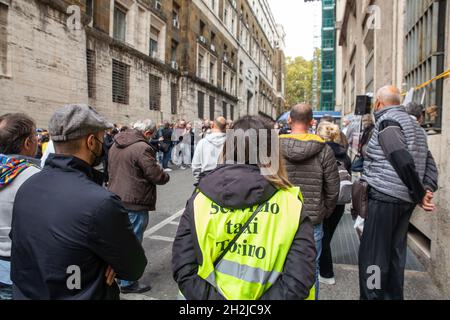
{"points": [[298, 148], [237, 186]]}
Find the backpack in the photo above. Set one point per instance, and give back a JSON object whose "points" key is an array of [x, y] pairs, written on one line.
{"points": [[345, 189]]}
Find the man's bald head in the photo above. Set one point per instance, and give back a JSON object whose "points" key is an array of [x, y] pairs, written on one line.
{"points": [[388, 96], [220, 124], [301, 114]]}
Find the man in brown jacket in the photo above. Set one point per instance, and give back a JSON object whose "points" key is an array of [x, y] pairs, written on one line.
{"points": [[133, 175], [312, 166]]}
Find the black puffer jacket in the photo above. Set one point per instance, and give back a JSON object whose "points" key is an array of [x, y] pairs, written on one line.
{"points": [[312, 166], [238, 187]]}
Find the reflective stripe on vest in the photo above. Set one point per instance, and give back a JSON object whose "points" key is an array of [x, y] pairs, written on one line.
{"points": [[257, 259]]}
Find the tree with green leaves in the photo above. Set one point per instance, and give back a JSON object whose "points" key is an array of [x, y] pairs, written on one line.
{"points": [[299, 80]]}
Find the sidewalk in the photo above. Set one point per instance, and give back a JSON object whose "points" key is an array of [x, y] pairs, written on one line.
{"points": [[418, 284]]}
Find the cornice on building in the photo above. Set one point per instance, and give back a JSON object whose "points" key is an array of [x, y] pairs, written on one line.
{"points": [[113, 43]]}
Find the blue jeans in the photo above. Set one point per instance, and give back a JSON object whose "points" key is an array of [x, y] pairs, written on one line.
{"points": [[5, 280], [159, 157], [5, 292], [167, 157], [139, 221], [318, 236]]}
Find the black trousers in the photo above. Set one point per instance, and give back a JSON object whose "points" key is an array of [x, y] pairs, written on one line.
{"points": [[383, 248], [329, 227]]}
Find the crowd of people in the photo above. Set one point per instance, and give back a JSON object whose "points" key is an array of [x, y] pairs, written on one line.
{"points": [[75, 202]]}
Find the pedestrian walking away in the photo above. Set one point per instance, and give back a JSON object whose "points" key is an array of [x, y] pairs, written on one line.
{"points": [[330, 133], [311, 165], [208, 150]]}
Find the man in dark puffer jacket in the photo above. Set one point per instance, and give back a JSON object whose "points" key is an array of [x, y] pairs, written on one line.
{"points": [[311, 165]]}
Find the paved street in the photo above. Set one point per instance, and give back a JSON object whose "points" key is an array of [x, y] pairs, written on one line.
{"points": [[160, 234], [163, 226]]}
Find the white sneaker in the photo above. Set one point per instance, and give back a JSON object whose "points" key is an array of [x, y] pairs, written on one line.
{"points": [[182, 168], [168, 170], [328, 281]]}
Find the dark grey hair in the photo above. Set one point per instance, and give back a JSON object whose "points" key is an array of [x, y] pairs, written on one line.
{"points": [[415, 109]]}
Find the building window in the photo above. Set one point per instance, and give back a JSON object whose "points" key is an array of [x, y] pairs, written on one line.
{"points": [[370, 72], [154, 36], [175, 16], [212, 71], [232, 85], [224, 110], [174, 50], [369, 45], [90, 59], [225, 80], [173, 97], [425, 45], [201, 64], [202, 28], [233, 27], [225, 16], [231, 112], [120, 23], [90, 8], [3, 38], [212, 108], [120, 82], [155, 93], [201, 105]]}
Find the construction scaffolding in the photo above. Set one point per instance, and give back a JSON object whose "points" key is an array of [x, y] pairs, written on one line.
{"points": [[316, 58], [328, 82]]}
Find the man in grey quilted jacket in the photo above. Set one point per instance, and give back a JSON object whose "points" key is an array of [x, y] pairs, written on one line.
{"points": [[312, 166], [401, 174]]}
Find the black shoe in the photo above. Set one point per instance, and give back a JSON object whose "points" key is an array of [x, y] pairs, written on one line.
{"points": [[135, 288]]}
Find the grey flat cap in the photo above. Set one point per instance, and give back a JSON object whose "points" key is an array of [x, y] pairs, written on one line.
{"points": [[75, 121]]}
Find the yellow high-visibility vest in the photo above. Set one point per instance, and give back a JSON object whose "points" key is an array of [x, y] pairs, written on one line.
{"points": [[257, 259]]}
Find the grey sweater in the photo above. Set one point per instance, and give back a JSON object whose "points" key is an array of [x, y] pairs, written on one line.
{"points": [[7, 196]]}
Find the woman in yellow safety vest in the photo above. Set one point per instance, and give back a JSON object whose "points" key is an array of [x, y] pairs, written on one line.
{"points": [[243, 235]]}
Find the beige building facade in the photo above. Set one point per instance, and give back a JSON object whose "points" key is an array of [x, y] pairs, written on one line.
{"points": [[134, 59]]}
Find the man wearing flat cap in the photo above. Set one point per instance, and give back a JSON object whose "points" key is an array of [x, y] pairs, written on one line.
{"points": [[70, 236]]}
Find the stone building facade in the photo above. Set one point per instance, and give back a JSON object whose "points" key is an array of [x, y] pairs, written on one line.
{"points": [[44, 64], [404, 43], [132, 59], [370, 48]]}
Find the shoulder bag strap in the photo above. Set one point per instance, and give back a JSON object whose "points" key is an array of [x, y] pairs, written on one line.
{"points": [[231, 244]]}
